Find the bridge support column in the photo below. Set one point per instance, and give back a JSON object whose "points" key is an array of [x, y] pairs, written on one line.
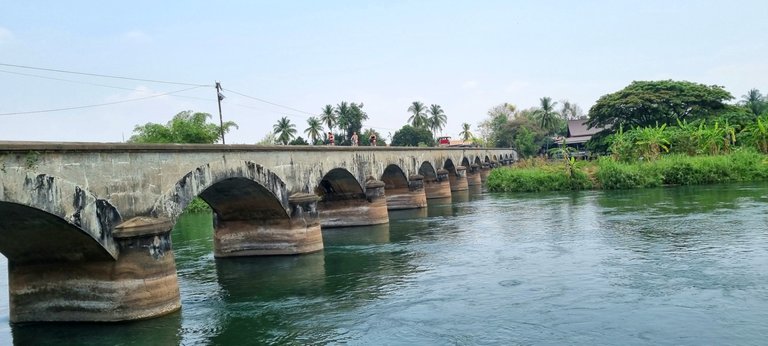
{"points": [[370, 209], [140, 284], [473, 175], [298, 234], [459, 180], [485, 170], [411, 197], [439, 187]]}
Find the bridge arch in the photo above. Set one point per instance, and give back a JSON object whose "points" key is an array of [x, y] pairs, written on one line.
{"points": [[46, 218], [339, 184], [234, 190], [394, 177]]}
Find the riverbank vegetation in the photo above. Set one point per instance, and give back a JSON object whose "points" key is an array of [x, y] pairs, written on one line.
{"points": [[655, 134], [534, 175]]}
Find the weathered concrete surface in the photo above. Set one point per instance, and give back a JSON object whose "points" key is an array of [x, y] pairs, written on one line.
{"points": [[438, 187], [141, 283], [61, 205], [356, 210], [410, 196], [458, 179], [473, 175]]}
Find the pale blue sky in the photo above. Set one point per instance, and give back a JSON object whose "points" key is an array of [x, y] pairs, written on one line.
{"points": [[467, 56]]}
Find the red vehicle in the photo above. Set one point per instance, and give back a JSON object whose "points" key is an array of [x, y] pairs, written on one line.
{"points": [[443, 141]]}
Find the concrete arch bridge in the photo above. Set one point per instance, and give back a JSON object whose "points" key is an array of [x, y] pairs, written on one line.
{"points": [[86, 226]]}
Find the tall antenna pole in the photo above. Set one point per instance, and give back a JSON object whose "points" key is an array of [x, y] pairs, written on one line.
{"points": [[219, 97]]}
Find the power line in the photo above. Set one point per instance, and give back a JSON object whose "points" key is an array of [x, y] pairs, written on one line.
{"points": [[100, 104], [95, 84], [269, 102], [103, 75]]}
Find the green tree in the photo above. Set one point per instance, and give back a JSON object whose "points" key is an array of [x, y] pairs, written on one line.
{"points": [[328, 117], [409, 136], [465, 133], [418, 115], [525, 142], [314, 130], [350, 118], [437, 118], [755, 102], [284, 130], [548, 117], [644, 103], [366, 135], [493, 128], [185, 127], [298, 141]]}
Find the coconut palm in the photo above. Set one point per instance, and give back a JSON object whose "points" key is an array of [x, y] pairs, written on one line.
{"points": [[547, 115], [755, 101], [284, 130], [314, 130], [328, 117], [437, 118], [419, 117], [465, 134]]}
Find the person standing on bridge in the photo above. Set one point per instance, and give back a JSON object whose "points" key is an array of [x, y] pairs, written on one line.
{"points": [[372, 139], [331, 140], [354, 139]]}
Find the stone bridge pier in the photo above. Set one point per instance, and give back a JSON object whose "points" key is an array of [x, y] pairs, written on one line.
{"points": [[86, 227]]}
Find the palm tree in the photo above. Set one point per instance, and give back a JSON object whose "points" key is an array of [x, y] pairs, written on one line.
{"points": [[547, 114], [284, 130], [419, 117], [465, 134], [755, 101], [314, 129], [328, 117], [437, 118]]}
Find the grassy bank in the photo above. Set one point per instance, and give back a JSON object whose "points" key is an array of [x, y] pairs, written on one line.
{"points": [[739, 166]]}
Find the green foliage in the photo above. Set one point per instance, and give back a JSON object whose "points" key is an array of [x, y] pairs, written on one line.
{"points": [[418, 117], [197, 205], [644, 103], [755, 102], [525, 142], [409, 136], [314, 130], [437, 118], [349, 117], [549, 119], [366, 135], [756, 135], [465, 133], [541, 178], [284, 130], [185, 127], [650, 141], [742, 165], [298, 141], [32, 159], [328, 117]]}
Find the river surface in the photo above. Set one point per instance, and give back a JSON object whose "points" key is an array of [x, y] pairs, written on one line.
{"points": [[668, 266]]}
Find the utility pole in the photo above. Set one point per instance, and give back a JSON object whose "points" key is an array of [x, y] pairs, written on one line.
{"points": [[219, 97]]}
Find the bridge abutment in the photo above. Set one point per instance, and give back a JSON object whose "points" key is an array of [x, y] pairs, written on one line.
{"points": [[300, 233], [140, 284], [439, 187], [459, 179], [409, 197], [355, 209], [473, 175]]}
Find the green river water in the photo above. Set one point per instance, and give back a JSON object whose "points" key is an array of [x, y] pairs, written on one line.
{"points": [[668, 266]]}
